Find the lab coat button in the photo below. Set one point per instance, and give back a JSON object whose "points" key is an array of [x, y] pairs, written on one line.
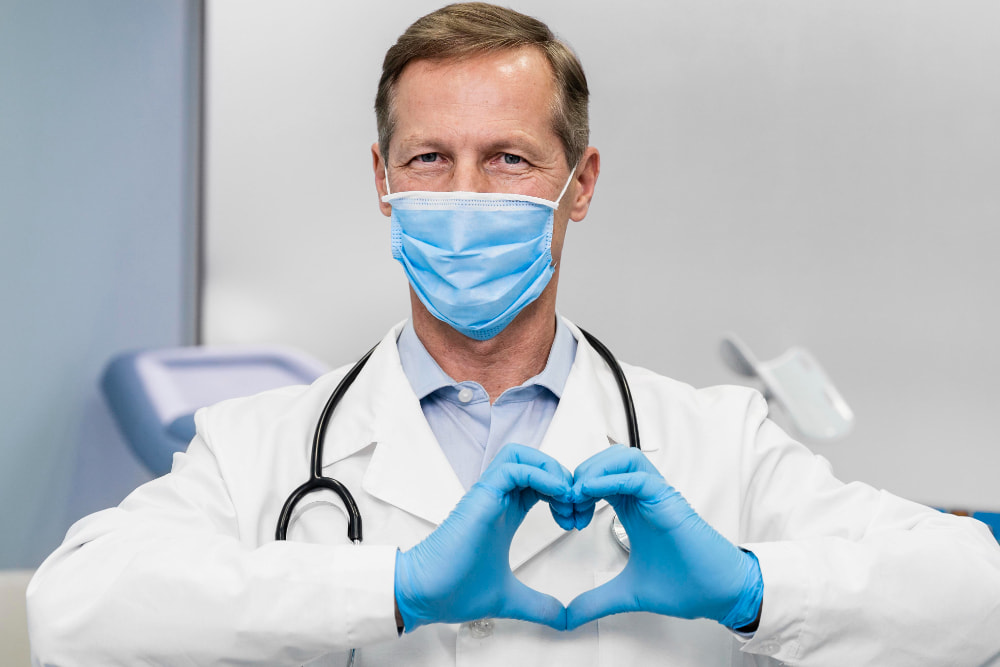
{"points": [[769, 648], [465, 394], [481, 629]]}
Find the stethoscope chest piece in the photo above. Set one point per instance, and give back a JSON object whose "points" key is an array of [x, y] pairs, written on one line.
{"points": [[621, 537]]}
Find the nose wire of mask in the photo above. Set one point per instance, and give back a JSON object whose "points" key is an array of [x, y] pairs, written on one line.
{"points": [[475, 260]]}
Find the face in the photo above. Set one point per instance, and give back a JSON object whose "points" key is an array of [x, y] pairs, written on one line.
{"points": [[484, 124]]}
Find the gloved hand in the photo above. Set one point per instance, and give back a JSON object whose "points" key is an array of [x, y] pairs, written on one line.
{"points": [[678, 564], [461, 571]]}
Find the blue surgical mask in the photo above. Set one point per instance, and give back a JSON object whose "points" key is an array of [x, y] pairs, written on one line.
{"points": [[475, 260]]}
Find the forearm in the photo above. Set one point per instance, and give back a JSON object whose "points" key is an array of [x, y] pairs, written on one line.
{"points": [[854, 575], [166, 577], [127, 596], [923, 596]]}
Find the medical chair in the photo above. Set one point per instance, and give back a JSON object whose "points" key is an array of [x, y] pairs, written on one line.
{"points": [[154, 394]]}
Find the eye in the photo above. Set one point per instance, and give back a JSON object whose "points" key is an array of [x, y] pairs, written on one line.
{"points": [[427, 157], [510, 158]]}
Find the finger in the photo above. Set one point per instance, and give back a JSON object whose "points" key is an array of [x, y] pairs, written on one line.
{"points": [[640, 485], [583, 515], [564, 522], [550, 465], [510, 476], [612, 597], [559, 507], [563, 507], [583, 510], [562, 512], [525, 603], [614, 459], [519, 454], [583, 507], [515, 453]]}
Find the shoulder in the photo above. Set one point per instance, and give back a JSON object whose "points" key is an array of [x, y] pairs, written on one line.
{"points": [[279, 425], [692, 402], [666, 407], [706, 438], [250, 417]]}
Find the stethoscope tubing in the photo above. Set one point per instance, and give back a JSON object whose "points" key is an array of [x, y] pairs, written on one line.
{"points": [[317, 481], [623, 388]]}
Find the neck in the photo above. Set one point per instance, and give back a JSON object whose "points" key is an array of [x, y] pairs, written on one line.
{"points": [[514, 355]]}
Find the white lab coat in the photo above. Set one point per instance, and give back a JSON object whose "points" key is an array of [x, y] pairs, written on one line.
{"points": [[186, 571]]}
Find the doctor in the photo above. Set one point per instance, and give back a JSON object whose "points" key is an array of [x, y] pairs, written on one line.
{"points": [[478, 551]]}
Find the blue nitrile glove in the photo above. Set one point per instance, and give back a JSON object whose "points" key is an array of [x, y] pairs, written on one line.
{"points": [[461, 571], [678, 566]]}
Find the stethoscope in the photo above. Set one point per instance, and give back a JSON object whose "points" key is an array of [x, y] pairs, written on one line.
{"points": [[317, 482]]}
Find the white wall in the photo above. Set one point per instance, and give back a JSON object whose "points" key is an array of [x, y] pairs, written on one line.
{"points": [[820, 173], [98, 177]]}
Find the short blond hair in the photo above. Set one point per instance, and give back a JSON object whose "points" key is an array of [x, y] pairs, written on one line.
{"points": [[476, 28]]}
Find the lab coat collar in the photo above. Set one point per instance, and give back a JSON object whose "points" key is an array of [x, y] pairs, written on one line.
{"points": [[409, 470]]}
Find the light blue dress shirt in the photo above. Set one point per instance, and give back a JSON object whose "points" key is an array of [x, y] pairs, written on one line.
{"points": [[469, 429]]}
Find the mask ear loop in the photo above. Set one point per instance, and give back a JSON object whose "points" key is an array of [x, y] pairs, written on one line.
{"points": [[559, 198], [388, 190]]}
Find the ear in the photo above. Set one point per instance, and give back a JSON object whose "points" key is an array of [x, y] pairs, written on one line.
{"points": [[378, 166], [586, 181]]}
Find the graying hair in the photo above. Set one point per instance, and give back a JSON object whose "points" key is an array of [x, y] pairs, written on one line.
{"points": [[476, 28]]}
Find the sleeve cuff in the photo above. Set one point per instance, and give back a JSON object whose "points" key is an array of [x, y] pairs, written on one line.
{"points": [[786, 607], [366, 599]]}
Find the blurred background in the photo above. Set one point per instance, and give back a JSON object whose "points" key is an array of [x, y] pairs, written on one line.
{"points": [[821, 174]]}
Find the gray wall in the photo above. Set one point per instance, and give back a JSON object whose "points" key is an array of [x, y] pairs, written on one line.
{"points": [[98, 111], [818, 173]]}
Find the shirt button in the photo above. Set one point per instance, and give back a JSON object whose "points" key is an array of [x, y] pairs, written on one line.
{"points": [[769, 648], [481, 629], [465, 394]]}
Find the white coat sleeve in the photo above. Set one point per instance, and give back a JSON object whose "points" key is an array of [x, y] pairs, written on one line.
{"points": [[857, 576], [164, 579]]}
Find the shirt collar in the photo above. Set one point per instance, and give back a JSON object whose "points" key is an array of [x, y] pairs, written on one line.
{"points": [[553, 376], [426, 376], [421, 370]]}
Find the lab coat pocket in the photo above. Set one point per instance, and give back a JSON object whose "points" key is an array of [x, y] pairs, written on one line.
{"points": [[637, 638]]}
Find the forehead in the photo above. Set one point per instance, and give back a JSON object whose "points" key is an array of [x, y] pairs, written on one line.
{"points": [[504, 89]]}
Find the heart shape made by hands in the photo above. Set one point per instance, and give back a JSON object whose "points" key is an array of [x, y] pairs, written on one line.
{"points": [[678, 564]]}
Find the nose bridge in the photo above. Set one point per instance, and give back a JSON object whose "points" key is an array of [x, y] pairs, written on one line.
{"points": [[468, 176]]}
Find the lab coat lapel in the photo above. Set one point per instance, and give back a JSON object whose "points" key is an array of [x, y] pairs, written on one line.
{"points": [[408, 469], [588, 417]]}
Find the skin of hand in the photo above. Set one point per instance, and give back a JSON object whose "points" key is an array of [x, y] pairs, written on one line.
{"points": [[678, 564], [461, 571]]}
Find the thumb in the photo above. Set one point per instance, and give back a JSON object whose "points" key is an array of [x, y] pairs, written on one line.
{"points": [[526, 604], [609, 598]]}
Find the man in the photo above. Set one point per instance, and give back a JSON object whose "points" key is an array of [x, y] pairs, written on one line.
{"points": [[473, 545]]}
